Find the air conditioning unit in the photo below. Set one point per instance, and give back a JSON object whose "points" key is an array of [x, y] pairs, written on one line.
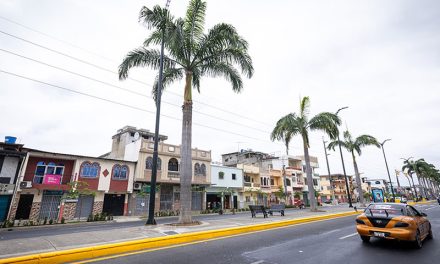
{"points": [[137, 186], [25, 184]]}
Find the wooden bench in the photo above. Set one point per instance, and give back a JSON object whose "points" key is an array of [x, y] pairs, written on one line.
{"points": [[256, 209], [277, 208]]}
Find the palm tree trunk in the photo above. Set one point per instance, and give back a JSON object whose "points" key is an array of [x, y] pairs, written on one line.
{"points": [[310, 186], [421, 185], [186, 157], [358, 181], [415, 189]]}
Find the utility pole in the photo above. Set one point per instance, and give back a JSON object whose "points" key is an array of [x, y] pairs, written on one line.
{"points": [[388, 171], [151, 220], [343, 165], [332, 190]]}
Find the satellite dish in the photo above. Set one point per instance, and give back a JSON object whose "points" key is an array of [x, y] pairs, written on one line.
{"points": [[136, 136]]}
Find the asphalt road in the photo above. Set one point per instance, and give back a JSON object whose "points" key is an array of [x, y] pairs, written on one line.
{"points": [[331, 241], [30, 232]]}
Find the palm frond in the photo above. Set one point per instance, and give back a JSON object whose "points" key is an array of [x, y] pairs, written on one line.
{"points": [[286, 127], [326, 121], [333, 144], [194, 24], [157, 17], [304, 108], [366, 140], [142, 57], [224, 70], [170, 75]]}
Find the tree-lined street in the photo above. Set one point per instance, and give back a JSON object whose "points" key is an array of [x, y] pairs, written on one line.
{"points": [[332, 241]]}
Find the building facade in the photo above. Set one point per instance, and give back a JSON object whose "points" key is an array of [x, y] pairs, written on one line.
{"points": [[137, 145], [11, 160], [339, 187], [226, 190]]}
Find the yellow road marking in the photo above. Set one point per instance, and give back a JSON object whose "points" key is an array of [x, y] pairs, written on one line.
{"points": [[197, 242]]}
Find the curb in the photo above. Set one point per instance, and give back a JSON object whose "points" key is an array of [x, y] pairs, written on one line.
{"points": [[84, 253]]}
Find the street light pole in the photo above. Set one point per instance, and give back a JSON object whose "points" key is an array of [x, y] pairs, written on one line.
{"points": [[328, 169], [386, 164], [151, 220], [343, 165]]}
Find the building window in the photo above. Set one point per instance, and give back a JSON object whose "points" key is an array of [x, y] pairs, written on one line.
{"points": [[43, 169], [248, 199], [120, 172], [234, 176], [221, 175], [149, 163], [287, 182], [269, 166], [173, 165], [197, 169], [247, 178], [315, 182], [272, 182], [89, 170], [203, 169]]}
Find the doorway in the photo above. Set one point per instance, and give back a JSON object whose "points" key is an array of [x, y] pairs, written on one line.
{"points": [[24, 206], [114, 204]]}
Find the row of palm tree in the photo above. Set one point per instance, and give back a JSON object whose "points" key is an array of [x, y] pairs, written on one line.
{"points": [[301, 124], [427, 175]]}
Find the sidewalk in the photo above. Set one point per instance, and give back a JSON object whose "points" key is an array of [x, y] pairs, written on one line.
{"points": [[20, 247]]}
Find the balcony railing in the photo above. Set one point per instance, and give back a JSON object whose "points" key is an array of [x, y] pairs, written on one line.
{"points": [[173, 174], [247, 184]]}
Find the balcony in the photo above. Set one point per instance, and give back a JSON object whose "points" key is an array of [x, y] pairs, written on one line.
{"points": [[48, 181], [247, 184], [174, 174]]}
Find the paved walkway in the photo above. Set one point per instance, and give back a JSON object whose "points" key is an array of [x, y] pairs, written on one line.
{"points": [[19, 247]]}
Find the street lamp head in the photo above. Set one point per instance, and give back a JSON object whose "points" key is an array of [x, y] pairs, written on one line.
{"points": [[340, 109], [385, 141]]}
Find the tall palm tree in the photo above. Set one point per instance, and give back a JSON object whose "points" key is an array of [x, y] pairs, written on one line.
{"points": [[191, 54], [293, 124], [417, 168], [354, 146]]}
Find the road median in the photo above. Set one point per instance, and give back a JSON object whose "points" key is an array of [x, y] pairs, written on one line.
{"points": [[91, 252]]}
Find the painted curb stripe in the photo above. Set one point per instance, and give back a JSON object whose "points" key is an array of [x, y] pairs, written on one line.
{"points": [[77, 254]]}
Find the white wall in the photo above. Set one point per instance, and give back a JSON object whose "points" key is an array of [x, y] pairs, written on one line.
{"points": [[132, 150], [9, 168], [227, 180]]}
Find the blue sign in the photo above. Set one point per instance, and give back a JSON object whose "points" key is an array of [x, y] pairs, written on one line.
{"points": [[378, 196]]}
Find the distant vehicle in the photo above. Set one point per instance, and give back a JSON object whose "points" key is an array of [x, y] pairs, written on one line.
{"points": [[300, 204], [402, 199], [394, 221]]}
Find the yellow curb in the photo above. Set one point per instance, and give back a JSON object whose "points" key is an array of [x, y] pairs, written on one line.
{"points": [[414, 203], [71, 255]]}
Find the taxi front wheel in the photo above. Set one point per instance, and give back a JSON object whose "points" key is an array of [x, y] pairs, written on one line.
{"points": [[365, 239]]}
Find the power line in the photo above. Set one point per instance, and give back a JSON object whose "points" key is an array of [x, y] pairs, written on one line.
{"points": [[130, 106], [127, 90], [57, 39], [130, 78]]}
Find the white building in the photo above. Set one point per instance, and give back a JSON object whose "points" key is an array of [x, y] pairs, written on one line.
{"points": [[226, 188]]}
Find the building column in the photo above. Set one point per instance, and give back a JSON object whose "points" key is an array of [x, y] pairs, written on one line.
{"points": [[126, 204]]}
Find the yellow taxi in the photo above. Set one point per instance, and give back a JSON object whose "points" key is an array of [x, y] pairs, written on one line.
{"points": [[394, 221]]}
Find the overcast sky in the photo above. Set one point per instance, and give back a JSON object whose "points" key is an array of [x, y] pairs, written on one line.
{"points": [[380, 58]]}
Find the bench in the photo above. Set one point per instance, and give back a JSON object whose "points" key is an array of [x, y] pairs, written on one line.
{"points": [[277, 208], [256, 209]]}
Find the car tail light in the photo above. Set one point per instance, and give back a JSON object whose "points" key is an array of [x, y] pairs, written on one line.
{"points": [[359, 221], [401, 224]]}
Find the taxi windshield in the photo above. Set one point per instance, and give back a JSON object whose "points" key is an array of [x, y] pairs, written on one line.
{"points": [[384, 209]]}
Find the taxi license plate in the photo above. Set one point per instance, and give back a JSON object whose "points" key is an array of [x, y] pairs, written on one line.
{"points": [[379, 234]]}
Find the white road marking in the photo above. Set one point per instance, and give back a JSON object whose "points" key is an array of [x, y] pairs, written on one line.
{"points": [[258, 262], [329, 232], [344, 237], [430, 208], [300, 251]]}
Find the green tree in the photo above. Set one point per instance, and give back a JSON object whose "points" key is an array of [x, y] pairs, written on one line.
{"points": [[301, 124], [191, 54], [354, 146]]}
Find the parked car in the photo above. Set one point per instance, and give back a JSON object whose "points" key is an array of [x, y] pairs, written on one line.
{"points": [[394, 221]]}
